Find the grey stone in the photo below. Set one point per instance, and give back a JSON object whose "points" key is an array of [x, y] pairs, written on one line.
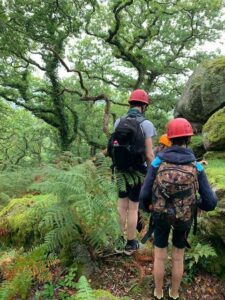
{"points": [[204, 93]]}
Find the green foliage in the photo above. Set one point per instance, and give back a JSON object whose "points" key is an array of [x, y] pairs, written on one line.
{"points": [[159, 117], [68, 216], [216, 264], [123, 177], [211, 224], [68, 280], [24, 139], [85, 292], [106, 65], [198, 254], [48, 291], [214, 155], [102, 294], [85, 210], [21, 269], [15, 183], [18, 287]]}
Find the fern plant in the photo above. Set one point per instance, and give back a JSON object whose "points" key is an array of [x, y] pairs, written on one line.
{"points": [[126, 177], [21, 269], [85, 209], [198, 253], [85, 292], [18, 287]]}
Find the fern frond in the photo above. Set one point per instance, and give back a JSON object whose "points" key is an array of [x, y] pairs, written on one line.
{"points": [[85, 291]]}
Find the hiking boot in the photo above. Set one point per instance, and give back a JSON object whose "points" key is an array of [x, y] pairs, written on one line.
{"points": [[131, 247], [120, 244]]}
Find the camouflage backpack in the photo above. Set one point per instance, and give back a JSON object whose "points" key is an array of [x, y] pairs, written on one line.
{"points": [[174, 191]]}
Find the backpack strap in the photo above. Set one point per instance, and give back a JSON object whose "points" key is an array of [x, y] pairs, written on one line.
{"points": [[140, 119], [179, 194], [150, 231], [195, 217], [199, 168]]}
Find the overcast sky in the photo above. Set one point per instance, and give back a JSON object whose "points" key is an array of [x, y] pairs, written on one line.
{"points": [[213, 46]]}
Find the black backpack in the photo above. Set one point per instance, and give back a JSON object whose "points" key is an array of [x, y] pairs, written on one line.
{"points": [[126, 145]]}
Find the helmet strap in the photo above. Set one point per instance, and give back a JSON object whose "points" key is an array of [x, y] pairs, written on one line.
{"points": [[144, 108]]}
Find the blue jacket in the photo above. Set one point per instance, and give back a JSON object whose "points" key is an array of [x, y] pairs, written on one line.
{"points": [[178, 155]]}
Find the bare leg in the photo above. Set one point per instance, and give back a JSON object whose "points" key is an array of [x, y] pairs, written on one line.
{"points": [[160, 256], [123, 205], [132, 219], [177, 270]]}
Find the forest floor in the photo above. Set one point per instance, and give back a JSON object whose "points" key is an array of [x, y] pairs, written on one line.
{"points": [[132, 277]]}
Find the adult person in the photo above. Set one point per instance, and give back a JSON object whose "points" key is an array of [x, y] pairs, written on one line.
{"points": [[169, 189], [131, 150]]}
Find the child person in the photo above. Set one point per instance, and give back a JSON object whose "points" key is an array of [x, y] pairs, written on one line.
{"points": [[170, 187], [164, 143]]}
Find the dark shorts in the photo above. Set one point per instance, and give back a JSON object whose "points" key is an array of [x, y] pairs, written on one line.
{"points": [[161, 235], [132, 192]]}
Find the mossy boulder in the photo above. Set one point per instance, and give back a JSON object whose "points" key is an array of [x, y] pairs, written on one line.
{"points": [[211, 225], [20, 219], [215, 172], [204, 92], [214, 131]]}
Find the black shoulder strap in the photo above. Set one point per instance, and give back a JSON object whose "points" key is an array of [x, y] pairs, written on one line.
{"points": [[138, 118], [150, 231], [120, 119]]}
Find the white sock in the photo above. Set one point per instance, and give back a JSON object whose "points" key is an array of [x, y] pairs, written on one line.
{"points": [[171, 296], [155, 295]]}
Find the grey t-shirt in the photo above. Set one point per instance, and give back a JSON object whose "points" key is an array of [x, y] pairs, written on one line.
{"points": [[147, 126]]}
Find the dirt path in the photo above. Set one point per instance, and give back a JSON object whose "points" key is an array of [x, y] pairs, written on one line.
{"points": [[132, 276]]}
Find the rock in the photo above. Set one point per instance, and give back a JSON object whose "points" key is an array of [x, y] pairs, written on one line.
{"points": [[214, 131], [20, 219], [211, 225], [203, 93]]}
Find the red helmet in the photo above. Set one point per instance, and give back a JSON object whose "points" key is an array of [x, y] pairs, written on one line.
{"points": [[179, 127], [140, 96]]}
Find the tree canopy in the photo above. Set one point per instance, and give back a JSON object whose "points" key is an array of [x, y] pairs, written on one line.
{"points": [[58, 58]]}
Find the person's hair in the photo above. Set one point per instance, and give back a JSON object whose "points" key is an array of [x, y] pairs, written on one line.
{"points": [[137, 103], [180, 141]]}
